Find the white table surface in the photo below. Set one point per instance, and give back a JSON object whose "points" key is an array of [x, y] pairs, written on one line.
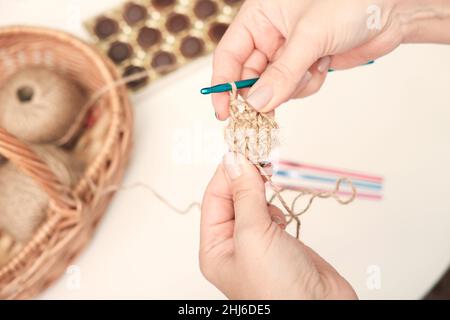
{"points": [[391, 119]]}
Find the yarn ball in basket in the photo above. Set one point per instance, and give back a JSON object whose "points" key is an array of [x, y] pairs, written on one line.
{"points": [[38, 105], [24, 203], [9, 247]]}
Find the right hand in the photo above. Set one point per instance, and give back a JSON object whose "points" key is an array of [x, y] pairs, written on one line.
{"points": [[290, 44]]}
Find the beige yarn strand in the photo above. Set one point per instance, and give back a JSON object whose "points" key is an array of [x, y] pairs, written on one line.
{"points": [[155, 193], [244, 116], [93, 99]]}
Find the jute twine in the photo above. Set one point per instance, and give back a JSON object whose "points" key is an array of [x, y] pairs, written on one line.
{"points": [[253, 134], [249, 132]]}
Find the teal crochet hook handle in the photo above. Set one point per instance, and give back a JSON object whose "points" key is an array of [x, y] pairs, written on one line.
{"points": [[224, 87], [227, 87]]}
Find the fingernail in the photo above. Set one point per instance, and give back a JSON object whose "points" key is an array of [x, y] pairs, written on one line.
{"points": [[232, 164], [323, 64], [261, 97], [277, 220], [305, 79], [266, 170], [307, 76]]}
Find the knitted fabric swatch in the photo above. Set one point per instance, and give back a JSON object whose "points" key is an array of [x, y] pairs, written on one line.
{"points": [[254, 135]]}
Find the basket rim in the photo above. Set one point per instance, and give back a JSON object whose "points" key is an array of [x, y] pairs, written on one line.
{"points": [[118, 104]]}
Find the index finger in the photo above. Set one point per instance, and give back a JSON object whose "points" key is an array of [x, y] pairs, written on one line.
{"points": [[230, 55]]}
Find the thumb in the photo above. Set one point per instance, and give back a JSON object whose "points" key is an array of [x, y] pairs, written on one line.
{"points": [[248, 192], [285, 75]]}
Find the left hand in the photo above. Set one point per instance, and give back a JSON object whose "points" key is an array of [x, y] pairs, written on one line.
{"points": [[245, 251]]}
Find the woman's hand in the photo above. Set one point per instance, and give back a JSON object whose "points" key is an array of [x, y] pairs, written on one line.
{"points": [[245, 251], [290, 44]]}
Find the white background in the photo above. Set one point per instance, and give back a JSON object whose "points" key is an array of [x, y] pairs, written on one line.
{"points": [[391, 118]]}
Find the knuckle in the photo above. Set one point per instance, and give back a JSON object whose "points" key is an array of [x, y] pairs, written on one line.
{"points": [[246, 192], [313, 35], [247, 240], [279, 70]]}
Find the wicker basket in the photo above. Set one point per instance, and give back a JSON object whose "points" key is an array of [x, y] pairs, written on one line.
{"points": [[73, 214]]}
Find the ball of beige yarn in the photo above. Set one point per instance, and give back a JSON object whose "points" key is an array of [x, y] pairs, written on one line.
{"points": [[9, 247], [23, 202], [38, 105]]}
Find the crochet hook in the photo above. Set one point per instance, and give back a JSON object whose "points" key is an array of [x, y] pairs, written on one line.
{"points": [[224, 87]]}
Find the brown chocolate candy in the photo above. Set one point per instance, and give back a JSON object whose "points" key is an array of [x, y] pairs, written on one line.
{"points": [[148, 37], [177, 22], [205, 8], [163, 3], [105, 27], [119, 51], [163, 61], [133, 13], [217, 30], [192, 47], [135, 84]]}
